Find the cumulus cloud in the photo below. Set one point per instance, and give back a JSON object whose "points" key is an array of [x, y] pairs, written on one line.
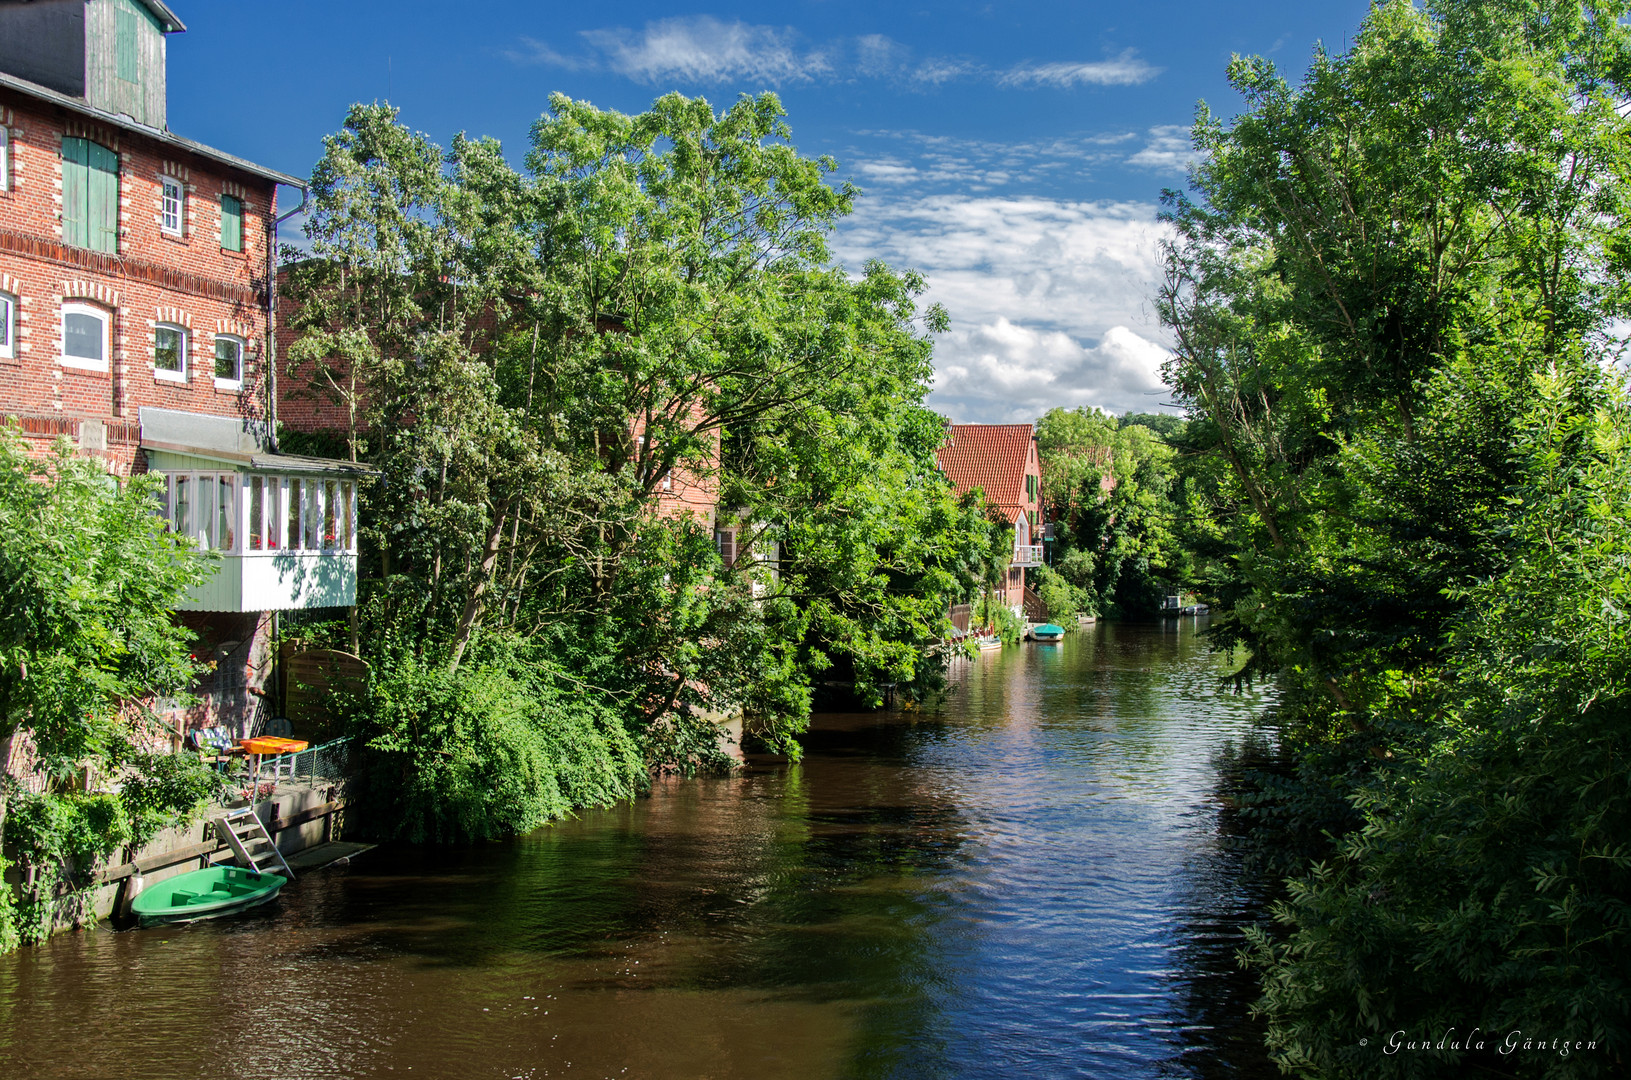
{"points": [[702, 49], [1006, 372], [1049, 298], [1124, 70]]}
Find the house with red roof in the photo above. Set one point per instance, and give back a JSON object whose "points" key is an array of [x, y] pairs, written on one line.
{"points": [[1001, 460]]}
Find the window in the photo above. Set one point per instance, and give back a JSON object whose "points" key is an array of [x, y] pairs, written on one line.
{"points": [[8, 327], [232, 223], [181, 508], [203, 507], [174, 201], [257, 512], [90, 195], [226, 512], [348, 495], [229, 362], [170, 353], [332, 528], [294, 515], [84, 337], [5, 158]]}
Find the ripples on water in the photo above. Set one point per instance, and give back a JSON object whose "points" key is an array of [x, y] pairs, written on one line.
{"points": [[1026, 881]]}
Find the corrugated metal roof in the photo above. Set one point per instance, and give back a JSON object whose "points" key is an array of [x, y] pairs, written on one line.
{"points": [[78, 105], [991, 457]]}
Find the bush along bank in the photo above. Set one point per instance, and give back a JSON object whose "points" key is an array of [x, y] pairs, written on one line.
{"points": [[1406, 406]]}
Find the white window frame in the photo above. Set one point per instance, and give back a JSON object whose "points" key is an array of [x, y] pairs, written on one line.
{"points": [[186, 343], [81, 362], [171, 186], [8, 323], [5, 158], [229, 384], [204, 508]]}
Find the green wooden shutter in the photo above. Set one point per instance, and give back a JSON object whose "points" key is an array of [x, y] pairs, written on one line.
{"points": [[104, 202], [124, 26], [76, 186], [232, 223]]}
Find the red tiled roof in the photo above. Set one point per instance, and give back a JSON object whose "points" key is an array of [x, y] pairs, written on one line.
{"points": [[991, 457]]}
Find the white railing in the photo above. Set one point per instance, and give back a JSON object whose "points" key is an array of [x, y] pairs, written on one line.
{"points": [[1027, 555]]}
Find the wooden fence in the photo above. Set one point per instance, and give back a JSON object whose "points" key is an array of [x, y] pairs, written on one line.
{"points": [[310, 679]]}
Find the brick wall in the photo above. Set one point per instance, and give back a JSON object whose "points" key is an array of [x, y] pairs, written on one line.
{"points": [[188, 281]]}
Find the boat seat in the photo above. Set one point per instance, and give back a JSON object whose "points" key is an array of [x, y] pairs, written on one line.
{"points": [[181, 898]]}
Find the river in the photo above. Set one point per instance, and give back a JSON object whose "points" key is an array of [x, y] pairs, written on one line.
{"points": [[1026, 881]]}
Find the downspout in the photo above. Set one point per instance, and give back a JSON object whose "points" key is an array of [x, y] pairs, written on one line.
{"points": [[271, 316], [276, 672]]}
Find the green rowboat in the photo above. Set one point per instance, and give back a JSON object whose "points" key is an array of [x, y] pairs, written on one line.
{"points": [[204, 894]]}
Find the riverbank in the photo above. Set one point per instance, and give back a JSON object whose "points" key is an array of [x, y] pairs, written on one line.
{"points": [[1026, 881]]}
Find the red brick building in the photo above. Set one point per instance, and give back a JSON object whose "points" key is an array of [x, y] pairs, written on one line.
{"points": [[1001, 460], [136, 314]]}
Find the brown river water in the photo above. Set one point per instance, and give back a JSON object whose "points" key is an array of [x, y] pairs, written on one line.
{"points": [[1027, 880]]}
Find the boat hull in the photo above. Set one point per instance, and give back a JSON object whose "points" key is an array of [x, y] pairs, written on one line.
{"points": [[205, 894]]}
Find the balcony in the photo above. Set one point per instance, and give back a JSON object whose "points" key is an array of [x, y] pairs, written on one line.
{"points": [[1027, 555], [277, 581]]}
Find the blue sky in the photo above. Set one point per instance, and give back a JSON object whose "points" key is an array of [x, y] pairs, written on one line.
{"points": [[1011, 152]]}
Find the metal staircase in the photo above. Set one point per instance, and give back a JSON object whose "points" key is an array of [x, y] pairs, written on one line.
{"points": [[243, 832]]}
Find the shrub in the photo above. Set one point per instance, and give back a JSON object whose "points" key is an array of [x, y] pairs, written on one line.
{"points": [[482, 753]]}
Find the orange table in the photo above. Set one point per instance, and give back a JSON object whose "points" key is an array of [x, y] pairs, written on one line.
{"points": [[269, 746]]}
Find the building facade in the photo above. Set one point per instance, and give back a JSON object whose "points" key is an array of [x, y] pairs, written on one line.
{"points": [[1001, 461], [136, 321]]}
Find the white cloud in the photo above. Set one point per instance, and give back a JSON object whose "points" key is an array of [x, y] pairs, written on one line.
{"points": [[1049, 299], [703, 49], [1168, 149], [1124, 70], [706, 49], [1006, 372], [533, 51]]}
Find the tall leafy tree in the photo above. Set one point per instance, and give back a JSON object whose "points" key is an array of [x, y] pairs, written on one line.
{"points": [[532, 357], [1377, 276]]}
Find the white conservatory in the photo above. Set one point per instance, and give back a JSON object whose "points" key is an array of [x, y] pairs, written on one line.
{"points": [[284, 526]]}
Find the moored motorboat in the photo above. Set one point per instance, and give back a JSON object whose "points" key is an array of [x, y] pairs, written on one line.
{"points": [[1047, 633], [204, 894]]}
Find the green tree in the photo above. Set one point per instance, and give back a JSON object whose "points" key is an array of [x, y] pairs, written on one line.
{"points": [[1110, 486], [1377, 276], [533, 357], [88, 580]]}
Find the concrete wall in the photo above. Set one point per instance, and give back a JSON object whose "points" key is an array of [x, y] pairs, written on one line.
{"points": [[286, 804]]}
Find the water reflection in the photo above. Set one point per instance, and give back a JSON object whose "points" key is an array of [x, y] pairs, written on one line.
{"points": [[1026, 881]]}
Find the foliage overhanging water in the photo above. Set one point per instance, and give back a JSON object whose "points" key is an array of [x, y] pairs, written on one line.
{"points": [[1027, 881]]}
